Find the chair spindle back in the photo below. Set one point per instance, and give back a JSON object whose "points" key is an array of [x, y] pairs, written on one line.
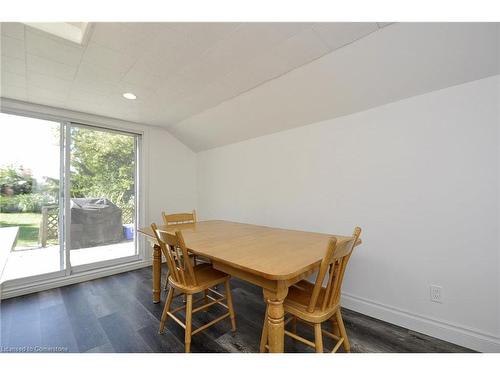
{"points": [[180, 218], [334, 263], [175, 251]]}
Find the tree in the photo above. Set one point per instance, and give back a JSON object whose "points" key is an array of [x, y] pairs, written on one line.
{"points": [[102, 165], [16, 180]]}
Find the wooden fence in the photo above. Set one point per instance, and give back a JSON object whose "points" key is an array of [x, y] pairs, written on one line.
{"points": [[49, 225]]}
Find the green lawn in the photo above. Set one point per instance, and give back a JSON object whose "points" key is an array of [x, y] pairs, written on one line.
{"points": [[28, 224]]}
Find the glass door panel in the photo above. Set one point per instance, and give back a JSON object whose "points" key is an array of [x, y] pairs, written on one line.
{"points": [[30, 180], [101, 212]]}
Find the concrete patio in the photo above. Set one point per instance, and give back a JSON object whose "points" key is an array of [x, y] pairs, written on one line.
{"points": [[38, 261]]}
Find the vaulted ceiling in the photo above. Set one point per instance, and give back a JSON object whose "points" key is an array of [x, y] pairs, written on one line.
{"points": [[216, 83]]}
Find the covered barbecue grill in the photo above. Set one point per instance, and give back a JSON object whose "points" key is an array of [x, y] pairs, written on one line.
{"points": [[95, 222]]}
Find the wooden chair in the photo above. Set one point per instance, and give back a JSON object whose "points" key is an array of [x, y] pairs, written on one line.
{"points": [[188, 280], [180, 218], [314, 304]]}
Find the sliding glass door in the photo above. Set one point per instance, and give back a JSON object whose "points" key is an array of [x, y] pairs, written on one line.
{"points": [[68, 198], [102, 206], [30, 192]]}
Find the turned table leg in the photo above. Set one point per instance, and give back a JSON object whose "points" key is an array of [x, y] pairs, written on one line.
{"points": [[276, 318], [156, 273]]}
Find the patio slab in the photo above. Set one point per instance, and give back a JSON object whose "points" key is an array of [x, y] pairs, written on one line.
{"points": [[38, 261]]}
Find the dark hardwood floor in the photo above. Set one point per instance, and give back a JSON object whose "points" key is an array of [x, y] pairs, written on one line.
{"points": [[116, 314]]}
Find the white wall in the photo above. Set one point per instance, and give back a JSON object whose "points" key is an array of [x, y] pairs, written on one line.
{"points": [[420, 176], [172, 175]]}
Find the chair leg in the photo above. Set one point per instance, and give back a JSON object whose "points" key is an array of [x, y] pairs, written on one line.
{"points": [[343, 333], [318, 338], [263, 337], [229, 298], [189, 315], [164, 315]]}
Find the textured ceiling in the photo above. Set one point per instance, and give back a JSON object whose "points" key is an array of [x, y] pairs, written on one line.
{"points": [[398, 62], [175, 69], [217, 83]]}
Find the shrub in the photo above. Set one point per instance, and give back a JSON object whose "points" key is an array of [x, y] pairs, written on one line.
{"points": [[9, 204], [25, 202], [34, 202]]}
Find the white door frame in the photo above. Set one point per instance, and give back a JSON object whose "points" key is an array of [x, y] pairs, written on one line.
{"points": [[70, 275]]}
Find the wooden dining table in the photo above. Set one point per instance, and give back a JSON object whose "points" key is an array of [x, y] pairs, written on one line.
{"points": [[271, 258]]}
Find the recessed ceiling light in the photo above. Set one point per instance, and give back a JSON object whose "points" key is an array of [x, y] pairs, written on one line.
{"points": [[130, 96]]}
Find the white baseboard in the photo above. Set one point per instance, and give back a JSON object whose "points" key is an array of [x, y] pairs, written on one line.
{"points": [[450, 332], [7, 291]]}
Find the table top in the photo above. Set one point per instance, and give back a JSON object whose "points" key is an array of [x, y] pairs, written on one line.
{"points": [[272, 253]]}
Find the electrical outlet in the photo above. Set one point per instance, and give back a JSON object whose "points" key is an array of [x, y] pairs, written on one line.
{"points": [[436, 293]]}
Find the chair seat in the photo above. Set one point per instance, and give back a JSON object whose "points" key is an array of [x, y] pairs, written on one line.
{"points": [[297, 302], [206, 277]]}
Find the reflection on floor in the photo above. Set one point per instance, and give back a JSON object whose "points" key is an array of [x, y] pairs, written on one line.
{"points": [[116, 314], [38, 261]]}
